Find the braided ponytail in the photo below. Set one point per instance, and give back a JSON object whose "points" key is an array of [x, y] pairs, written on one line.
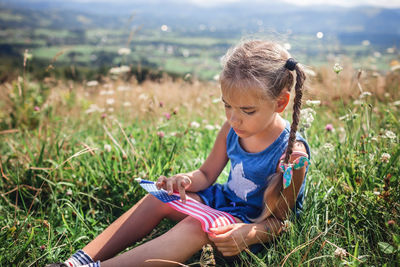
{"points": [[300, 78], [275, 187]]}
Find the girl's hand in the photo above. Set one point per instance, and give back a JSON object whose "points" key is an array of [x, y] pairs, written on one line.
{"points": [[177, 183], [230, 240]]}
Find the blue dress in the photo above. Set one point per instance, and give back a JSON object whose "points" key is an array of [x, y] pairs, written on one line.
{"points": [[242, 195]]}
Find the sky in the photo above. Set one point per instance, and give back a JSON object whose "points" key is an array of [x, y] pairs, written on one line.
{"points": [[344, 3]]}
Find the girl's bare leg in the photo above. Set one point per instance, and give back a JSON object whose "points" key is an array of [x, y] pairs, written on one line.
{"points": [[178, 245], [132, 226]]}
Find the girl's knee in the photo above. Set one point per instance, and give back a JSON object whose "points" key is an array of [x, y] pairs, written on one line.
{"points": [[193, 226]]}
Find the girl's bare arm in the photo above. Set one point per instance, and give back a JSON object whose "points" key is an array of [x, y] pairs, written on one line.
{"points": [[204, 176]]}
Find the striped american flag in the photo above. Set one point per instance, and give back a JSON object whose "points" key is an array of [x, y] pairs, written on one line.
{"points": [[208, 217]]}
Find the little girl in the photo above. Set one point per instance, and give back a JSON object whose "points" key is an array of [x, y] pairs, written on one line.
{"points": [[266, 181]]}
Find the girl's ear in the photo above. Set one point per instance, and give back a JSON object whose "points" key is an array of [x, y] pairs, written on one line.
{"points": [[282, 101]]}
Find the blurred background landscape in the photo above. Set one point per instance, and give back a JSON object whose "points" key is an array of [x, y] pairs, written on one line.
{"points": [[83, 39]]}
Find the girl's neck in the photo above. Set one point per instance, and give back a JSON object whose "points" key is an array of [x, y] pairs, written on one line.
{"points": [[261, 141]]}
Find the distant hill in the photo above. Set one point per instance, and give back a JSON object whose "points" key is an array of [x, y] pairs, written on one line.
{"points": [[233, 17]]}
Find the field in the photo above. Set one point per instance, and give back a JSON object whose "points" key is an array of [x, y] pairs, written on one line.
{"points": [[69, 153], [88, 103]]}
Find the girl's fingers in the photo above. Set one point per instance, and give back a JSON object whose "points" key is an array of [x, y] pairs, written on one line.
{"points": [[170, 186], [161, 182], [181, 189]]}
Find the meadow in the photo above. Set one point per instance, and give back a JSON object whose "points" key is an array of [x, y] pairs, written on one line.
{"points": [[70, 151]]}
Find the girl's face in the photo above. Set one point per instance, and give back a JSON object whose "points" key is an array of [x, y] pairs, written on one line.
{"points": [[248, 113]]}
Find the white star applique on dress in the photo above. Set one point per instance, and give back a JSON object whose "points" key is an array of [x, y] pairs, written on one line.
{"points": [[239, 184]]}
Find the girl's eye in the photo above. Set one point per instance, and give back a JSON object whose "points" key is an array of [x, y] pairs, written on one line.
{"points": [[250, 112], [227, 106]]}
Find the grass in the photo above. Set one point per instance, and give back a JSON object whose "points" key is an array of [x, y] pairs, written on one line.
{"points": [[60, 186]]}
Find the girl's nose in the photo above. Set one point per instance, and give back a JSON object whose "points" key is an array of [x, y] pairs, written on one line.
{"points": [[234, 120]]}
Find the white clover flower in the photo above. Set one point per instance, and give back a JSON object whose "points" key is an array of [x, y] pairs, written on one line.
{"points": [[365, 94], [92, 83], [124, 51], [194, 124], [390, 134], [216, 100], [385, 157], [107, 148], [216, 77], [340, 252], [209, 127], [374, 139], [358, 102], [313, 102], [337, 68], [110, 101], [127, 104], [328, 147]]}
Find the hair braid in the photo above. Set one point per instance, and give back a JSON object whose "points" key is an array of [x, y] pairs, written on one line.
{"points": [[300, 78]]}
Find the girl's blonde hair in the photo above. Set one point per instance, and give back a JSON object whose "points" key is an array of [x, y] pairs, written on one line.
{"points": [[261, 64]]}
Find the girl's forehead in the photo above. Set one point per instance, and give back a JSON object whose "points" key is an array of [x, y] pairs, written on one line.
{"points": [[244, 96]]}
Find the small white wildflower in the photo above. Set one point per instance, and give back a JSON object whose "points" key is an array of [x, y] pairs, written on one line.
{"points": [[92, 108], [374, 139], [107, 148], [320, 35], [365, 94], [209, 127], [69, 192], [310, 72], [396, 103], [127, 104], [120, 70], [122, 88], [390, 134], [358, 102], [337, 68], [109, 92], [216, 100], [313, 102], [306, 117], [110, 110], [92, 83], [340, 253], [328, 147], [194, 124], [385, 157], [216, 77], [286, 225], [124, 51], [143, 96], [377, 193], [110, 101], [371, 157]]}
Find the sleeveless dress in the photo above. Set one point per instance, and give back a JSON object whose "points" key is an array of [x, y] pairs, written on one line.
{"points": [[242, 195]]}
